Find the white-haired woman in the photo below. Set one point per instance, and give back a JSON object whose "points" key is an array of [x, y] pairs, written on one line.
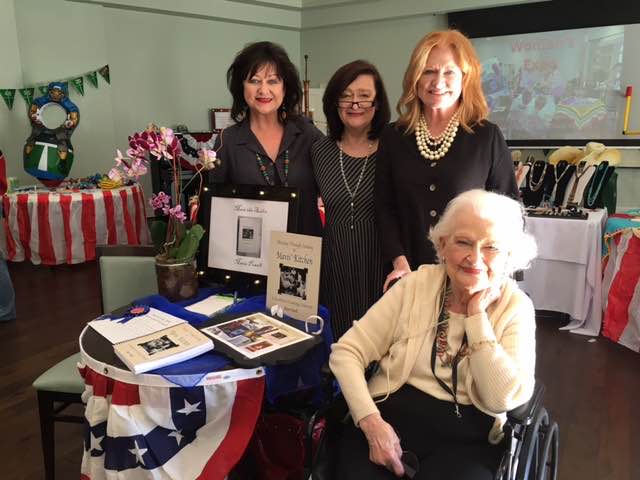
{"points": [[455, 343]]}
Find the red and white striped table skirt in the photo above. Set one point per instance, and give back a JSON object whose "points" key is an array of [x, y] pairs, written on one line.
{"points": [[54, 228]]}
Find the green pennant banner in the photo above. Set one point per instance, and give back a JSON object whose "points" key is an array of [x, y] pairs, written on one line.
{"points": [[27, 94], [43, 89], [78, 84], [92, 78], [8, 95], [104, 73]]}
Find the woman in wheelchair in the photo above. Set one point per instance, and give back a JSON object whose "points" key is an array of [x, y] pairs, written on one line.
{"points": [[455, 344]]}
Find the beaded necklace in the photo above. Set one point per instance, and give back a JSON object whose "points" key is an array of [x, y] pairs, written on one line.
{"points": [[592, 195], [581, 169], [353, 194], [557, 179], [263, 169], [434, 148], [534, 186]]}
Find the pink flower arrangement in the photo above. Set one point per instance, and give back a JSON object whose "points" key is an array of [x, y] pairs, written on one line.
{"points": [[177, 237]]}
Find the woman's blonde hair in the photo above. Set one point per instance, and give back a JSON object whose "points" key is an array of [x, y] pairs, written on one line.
{"points": [[473, 105]]}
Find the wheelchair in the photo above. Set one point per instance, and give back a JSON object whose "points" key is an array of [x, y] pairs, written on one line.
{"points": [[531, 440]]}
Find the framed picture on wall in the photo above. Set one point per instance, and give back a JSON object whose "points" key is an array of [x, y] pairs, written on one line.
{"points": [[219, 119], [238, 221]]}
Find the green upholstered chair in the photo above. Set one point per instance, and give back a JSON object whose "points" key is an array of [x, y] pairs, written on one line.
{"points": [[58, 387], [125, 273]]}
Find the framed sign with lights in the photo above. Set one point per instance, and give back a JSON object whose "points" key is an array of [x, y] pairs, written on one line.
{"points": [[238, 221]]}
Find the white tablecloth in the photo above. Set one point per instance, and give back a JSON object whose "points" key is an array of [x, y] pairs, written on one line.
{"points": [[567, 275]]}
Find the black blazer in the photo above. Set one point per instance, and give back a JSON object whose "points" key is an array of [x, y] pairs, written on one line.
{"points": [[238, 165], [412, 192]]}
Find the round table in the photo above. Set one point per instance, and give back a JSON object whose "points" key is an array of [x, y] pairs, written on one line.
{"points": [[189, 420], [64, 227]]}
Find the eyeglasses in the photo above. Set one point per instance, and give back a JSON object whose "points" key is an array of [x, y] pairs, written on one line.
{"points": [[360, 104]]}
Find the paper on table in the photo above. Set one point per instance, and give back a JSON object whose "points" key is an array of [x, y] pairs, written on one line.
{"points": [[210, 305], [151, 322]]}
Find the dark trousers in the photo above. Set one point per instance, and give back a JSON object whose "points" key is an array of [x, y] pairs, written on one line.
{"points": [[447, 447]]}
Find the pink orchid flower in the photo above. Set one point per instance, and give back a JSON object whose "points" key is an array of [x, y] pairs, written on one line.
{"points": [[177, 213], [208, 159], [159, 201]]}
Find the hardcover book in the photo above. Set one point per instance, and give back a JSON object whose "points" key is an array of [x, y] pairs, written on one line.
{"points": [[166, 347], [145, 338]]}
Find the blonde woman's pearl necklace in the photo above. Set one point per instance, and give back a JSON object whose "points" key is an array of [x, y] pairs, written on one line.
{"points": [[434, 148]]}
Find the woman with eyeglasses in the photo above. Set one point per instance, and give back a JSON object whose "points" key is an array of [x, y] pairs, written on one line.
{"points": [[455, 343], [356, 107], [441, 145], [270, 144]]}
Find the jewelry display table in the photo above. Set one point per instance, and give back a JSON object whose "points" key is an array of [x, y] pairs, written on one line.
{"points": [[54, 228], [567, 274]]}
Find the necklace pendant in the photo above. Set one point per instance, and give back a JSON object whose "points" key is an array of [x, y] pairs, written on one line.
{"points": [[457, 411]]}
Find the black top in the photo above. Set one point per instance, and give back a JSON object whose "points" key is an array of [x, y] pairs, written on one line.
{"points": [[238, 165], [352, 268], [412, 192]]}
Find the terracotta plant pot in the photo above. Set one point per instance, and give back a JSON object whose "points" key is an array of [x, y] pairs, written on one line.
{"points": [[176, 281]]}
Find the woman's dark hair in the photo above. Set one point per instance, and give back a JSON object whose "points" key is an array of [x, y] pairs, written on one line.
{"points": [[339, 82], [247, 62]]}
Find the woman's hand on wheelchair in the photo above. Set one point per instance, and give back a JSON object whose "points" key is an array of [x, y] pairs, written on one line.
{"points": [[384, 444]]}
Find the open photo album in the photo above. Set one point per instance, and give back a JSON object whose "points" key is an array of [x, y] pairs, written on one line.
{"points": [[255, 335]]}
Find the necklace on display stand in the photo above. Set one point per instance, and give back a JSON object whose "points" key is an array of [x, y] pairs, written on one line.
{"points": [[557, 179], [434, 148], [583, 170], [352, 194], [534, 186], [598, 178]]}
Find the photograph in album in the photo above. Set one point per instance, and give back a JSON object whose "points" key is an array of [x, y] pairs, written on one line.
{"points": [[256, 334]]}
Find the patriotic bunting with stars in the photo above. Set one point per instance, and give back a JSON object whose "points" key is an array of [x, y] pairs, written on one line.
{"points": [[147, 431]]}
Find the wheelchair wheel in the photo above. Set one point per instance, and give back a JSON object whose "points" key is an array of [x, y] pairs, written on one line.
{"points": [[548, 466], [530, 454]]}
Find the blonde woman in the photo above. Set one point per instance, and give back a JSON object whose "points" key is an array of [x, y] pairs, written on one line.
{"points": [[441, 145]]}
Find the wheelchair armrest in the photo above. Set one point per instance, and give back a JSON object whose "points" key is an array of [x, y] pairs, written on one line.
{"points": [[524, 414]]}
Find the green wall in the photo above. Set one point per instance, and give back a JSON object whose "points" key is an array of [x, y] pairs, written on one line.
{"points": [[168, 59], [165, 68], [387, 44]]}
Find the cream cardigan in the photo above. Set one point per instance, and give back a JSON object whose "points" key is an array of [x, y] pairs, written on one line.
{"points": [[498, 375]]}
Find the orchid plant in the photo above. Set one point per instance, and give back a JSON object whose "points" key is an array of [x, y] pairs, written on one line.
{"points": [[176, 236]]}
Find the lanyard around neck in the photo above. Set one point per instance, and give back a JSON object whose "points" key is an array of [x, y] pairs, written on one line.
{"points": [[456, 360]]}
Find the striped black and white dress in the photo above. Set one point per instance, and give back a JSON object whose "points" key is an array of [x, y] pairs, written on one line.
{"points": [[352, 268]]}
